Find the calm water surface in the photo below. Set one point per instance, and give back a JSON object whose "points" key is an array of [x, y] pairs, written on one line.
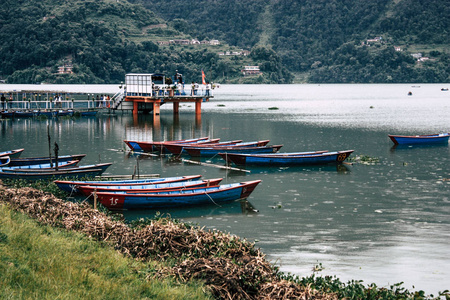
{"points": [[383, 223]]}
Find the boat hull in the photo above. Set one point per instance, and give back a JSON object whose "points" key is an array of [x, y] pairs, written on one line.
{"points": [[287, 159], [188, 197], [158, 146], [43, 160], [420, 139], [207, 152], [51, 175], [148, 188], [12, 153], [72, 186]]}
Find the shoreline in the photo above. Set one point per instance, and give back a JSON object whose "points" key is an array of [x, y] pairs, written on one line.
{"points": [[228, 266]]}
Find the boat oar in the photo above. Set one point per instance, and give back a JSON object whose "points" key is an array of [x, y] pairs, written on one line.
{"points": [[212, 165]]}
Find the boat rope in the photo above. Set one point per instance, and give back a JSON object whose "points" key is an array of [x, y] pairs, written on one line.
{"points": [[85, 199], [212, 199]]}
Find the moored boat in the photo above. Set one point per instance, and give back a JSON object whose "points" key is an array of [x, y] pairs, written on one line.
{"points": [[184, 197], [43, 160], [26, 113], [63, 164], [287, 159], [12, 153], [102, 167], [440, 138], [153, 146], [72, 186], [7, 114], [51, 175], [211, 151], [178, 148], [148, 188], [4, 161]]}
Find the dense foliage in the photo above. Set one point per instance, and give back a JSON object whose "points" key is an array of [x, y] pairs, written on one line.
{"points": [[321, 40]]}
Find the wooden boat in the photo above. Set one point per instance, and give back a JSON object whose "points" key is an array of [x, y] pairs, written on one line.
{"points": [[26, 113], [8, 114], [214, 149], [440, 138], [148, 188], [4, 161], [185, 197], [43, 160], [46, 175], [63, 164], [48, 114], [102, 166], [88, 113], [287, 159], [157, 146], [63, 113], [178, 148], [12, 153], [72, 186], [231, 149]]}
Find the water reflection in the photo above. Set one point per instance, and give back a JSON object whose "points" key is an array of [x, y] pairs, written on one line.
{"points": [[243, 207]]}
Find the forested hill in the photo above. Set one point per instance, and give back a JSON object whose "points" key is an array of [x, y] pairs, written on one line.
{"points": [[99, 41], [329, 40]]}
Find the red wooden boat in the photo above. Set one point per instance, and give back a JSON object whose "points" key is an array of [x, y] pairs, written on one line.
{"points": [[178, 148], [72, 186], [183, 197], [157, 146], [148, 188]]}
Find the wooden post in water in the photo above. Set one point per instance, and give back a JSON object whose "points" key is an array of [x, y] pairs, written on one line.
{"points": [[95, 198], [56, 156], [49, 145]]}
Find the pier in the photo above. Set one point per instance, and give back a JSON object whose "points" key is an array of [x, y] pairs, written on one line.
{"points": [[147, 92], [141, 93]]}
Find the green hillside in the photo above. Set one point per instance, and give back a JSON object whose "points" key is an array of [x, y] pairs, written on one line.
{"points": [[323, 41], [327, 41]]}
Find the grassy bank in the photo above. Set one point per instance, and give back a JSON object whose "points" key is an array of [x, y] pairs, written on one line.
{"points": [[60, 249], [41, 262]]}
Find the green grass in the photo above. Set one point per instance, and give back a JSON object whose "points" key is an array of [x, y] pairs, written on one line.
{"points": [[40, 262]]}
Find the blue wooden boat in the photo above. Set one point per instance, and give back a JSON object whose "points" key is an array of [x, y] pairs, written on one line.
{"points": [[287, 159], [72, 186], [154, 146], [441, 138], [48, 114], [26, 113], [102, 166], [88, 113], [26, 161], [8, 114], [147, 188], [12, 153], [184, 197], [52, 175], [63, 164], [211, 151], [63, 113], [4, 161]]}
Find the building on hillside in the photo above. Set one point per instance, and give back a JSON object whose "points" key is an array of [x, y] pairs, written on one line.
{"points": [[398, 49], [251, 70], [65, 69]]}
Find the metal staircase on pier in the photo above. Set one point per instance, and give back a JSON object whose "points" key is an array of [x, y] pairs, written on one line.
{"points": [[117, 99]]}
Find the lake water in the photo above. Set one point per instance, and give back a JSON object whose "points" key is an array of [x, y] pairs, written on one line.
{"points": [[383, 223]]}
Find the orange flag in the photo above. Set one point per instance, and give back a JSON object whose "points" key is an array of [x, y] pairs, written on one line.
{"points": [[203, 77]]}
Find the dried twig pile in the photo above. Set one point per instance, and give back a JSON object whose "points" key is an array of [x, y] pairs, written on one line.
{"points": [[231, 267]]}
